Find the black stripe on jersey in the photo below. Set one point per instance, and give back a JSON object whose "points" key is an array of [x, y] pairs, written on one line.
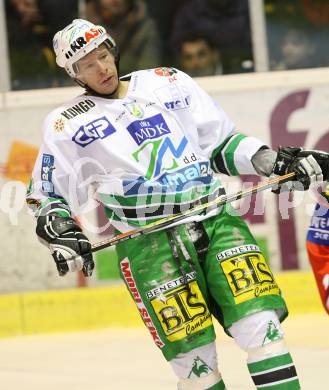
{"points": [[153, 211], [275, 376], [217, 161], [165, 209]]}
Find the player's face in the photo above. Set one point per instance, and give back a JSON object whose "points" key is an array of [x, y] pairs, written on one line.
{"points": [[98, 70]]}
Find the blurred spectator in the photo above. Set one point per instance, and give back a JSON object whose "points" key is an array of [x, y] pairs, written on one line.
{"points": [[225, 20], [30, 33], [56, 14], [297, 34], [29, 11], [29, 65], [133, 30], [198, 55], [316, 12], [163, 13], [297, 51]]}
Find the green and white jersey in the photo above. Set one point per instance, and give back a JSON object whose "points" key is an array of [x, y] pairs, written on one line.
{"points": [[148, 155]]}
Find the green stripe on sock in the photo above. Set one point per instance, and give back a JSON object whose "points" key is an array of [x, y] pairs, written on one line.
{"points": [[229, 153], [267, 364], [218, 386]]}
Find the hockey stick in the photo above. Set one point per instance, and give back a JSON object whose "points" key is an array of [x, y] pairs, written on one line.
{"points": [[164, 222]]}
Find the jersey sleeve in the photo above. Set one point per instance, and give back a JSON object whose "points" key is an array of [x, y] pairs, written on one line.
{"points": [[317, 245], [54, 186], [318, 230], [229, 151]]}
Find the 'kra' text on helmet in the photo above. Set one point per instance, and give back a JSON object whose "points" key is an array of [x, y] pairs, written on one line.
{"points": [[77, 40]]}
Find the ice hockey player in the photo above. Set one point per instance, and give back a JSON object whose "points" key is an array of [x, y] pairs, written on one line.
{"points": [[317, 244], [149, 143]]}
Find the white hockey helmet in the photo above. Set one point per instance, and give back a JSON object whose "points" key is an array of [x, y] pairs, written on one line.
{"points": [[77, 40]]}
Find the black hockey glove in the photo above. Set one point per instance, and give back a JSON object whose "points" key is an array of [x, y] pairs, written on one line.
{"points": [[309, 165], [66, 240]]}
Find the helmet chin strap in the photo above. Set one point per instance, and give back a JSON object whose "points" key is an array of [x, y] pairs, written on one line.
{"points": [[80, 83]]}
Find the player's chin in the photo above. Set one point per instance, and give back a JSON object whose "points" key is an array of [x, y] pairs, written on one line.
{"points": [[107, 88]]}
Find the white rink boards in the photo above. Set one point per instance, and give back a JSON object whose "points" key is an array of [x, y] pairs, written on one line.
{"points": [[128, 360]]}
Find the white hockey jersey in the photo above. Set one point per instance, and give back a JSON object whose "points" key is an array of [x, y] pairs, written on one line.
{"points": [[148, 155]]}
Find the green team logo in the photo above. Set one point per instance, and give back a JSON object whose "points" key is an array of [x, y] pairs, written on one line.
{"points": [[158, 151], [199, 368], [272, 333], [134, 109]]}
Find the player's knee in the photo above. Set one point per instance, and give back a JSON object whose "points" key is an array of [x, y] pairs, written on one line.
{"points": [[257, 330]]}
